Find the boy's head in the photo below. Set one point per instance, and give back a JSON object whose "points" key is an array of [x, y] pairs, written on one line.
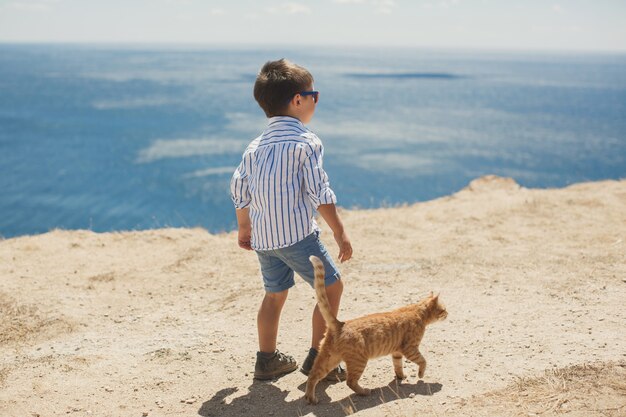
{"points": [[277, 90]]}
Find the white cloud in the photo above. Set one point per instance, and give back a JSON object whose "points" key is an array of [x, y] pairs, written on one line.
{"points": [[381, 6], [290, 8], [443, 4], [251, 16], [185, 17], [33, 5], [446, 4], [384, 6], [557, 8], [179, 2]]}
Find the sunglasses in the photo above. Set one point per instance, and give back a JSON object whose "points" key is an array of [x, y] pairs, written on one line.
{"points": [[315, 94]]}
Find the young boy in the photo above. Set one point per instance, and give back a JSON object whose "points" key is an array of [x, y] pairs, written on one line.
{"points": [[276, 190]]}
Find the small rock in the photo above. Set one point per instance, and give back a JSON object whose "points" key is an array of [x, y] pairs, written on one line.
{"points": [[144, 414], [412, 395], [108, 389]]}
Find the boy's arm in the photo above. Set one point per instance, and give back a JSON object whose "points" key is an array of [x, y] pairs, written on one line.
{"points": [[240, 194], [323, 198], [245, 228], [330, 215]]}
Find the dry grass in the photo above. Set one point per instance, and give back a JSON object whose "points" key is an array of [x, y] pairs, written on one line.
{"points": [[594, 389], [20, 322], [4, 372], [108, 277]]}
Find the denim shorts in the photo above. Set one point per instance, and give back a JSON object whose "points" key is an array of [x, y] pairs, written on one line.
{"points": [[278, 265]]}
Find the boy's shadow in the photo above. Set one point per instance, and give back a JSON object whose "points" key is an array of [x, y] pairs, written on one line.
{"points": [[266, 399]]}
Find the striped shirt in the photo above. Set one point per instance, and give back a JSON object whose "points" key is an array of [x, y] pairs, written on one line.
{"points": [[282, 181]]}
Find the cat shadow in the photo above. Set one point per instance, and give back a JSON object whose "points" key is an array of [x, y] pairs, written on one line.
{"points": [[264, 398]]}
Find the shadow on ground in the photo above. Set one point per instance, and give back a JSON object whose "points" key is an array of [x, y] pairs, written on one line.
{"points": [[264, 398]]}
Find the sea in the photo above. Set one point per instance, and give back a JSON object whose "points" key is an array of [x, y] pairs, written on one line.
{"points": [[134, 137]]}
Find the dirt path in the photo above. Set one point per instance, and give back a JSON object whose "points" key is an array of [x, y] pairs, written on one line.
{"points": [[162, 323]]}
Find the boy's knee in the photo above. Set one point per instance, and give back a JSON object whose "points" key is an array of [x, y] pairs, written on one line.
{"points": [[276, 296], [335, 289]]}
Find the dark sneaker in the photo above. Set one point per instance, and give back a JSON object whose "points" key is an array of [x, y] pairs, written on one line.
{"points": [[336, 375], [277, 365]]}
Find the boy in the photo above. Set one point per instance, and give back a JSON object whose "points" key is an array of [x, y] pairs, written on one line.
{"points": [[276, 189]]}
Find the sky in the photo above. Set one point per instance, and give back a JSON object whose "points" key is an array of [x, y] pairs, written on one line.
{"points": [[569, 25]]}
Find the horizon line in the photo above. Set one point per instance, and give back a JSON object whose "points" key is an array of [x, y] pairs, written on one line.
{"points": [[264, 46]]}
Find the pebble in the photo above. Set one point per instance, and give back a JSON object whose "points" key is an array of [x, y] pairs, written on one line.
{"points": [[412, 395]]}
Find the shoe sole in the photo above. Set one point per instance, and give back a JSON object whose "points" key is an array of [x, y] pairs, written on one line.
{"points": [[264, 377]]}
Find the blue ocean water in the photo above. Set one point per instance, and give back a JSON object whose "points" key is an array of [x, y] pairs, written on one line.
{"points": [[123, 138]]}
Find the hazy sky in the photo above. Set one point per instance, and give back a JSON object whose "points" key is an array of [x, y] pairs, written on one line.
{"points": [[596, 25]]}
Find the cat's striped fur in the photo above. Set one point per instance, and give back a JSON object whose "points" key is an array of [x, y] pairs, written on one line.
{"points": [[397, 333]]}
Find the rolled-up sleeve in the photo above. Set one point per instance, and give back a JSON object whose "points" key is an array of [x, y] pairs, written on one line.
{"points": [[316, 181], [239, 190]]}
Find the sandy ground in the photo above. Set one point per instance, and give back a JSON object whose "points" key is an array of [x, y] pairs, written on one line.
{"points": [[163, 322]]}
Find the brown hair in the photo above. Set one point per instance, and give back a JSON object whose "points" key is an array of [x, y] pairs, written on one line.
{"points": [[277, 82]]}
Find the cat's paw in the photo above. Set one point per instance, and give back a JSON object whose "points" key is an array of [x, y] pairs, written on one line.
{"points": [[421, 372], [365, 392], [311, 399], [400, 376]]}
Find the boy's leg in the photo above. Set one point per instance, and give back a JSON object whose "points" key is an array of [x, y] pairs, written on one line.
{"points": [[277, 279], [297, 257], [270, 362], [268, 319], [333, 291]]}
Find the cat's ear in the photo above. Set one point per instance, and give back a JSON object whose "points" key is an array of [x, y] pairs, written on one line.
{"points": [[431, 294], [435, 297]]}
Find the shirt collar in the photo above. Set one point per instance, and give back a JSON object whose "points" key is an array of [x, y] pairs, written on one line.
{"points": [[283, 119]]}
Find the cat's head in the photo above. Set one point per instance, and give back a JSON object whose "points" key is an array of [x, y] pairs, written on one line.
{"points": [[437, 308]]}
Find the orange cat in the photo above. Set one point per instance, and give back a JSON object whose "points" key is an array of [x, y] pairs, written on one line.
{"points": [[397, 333]]}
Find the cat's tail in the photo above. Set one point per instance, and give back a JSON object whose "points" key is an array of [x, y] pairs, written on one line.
{"points": [[322, 299]]}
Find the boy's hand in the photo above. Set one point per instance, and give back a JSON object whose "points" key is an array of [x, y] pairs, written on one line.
{"points": [[245, 228], [244, 239], [330, 215], [345, 247]]}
